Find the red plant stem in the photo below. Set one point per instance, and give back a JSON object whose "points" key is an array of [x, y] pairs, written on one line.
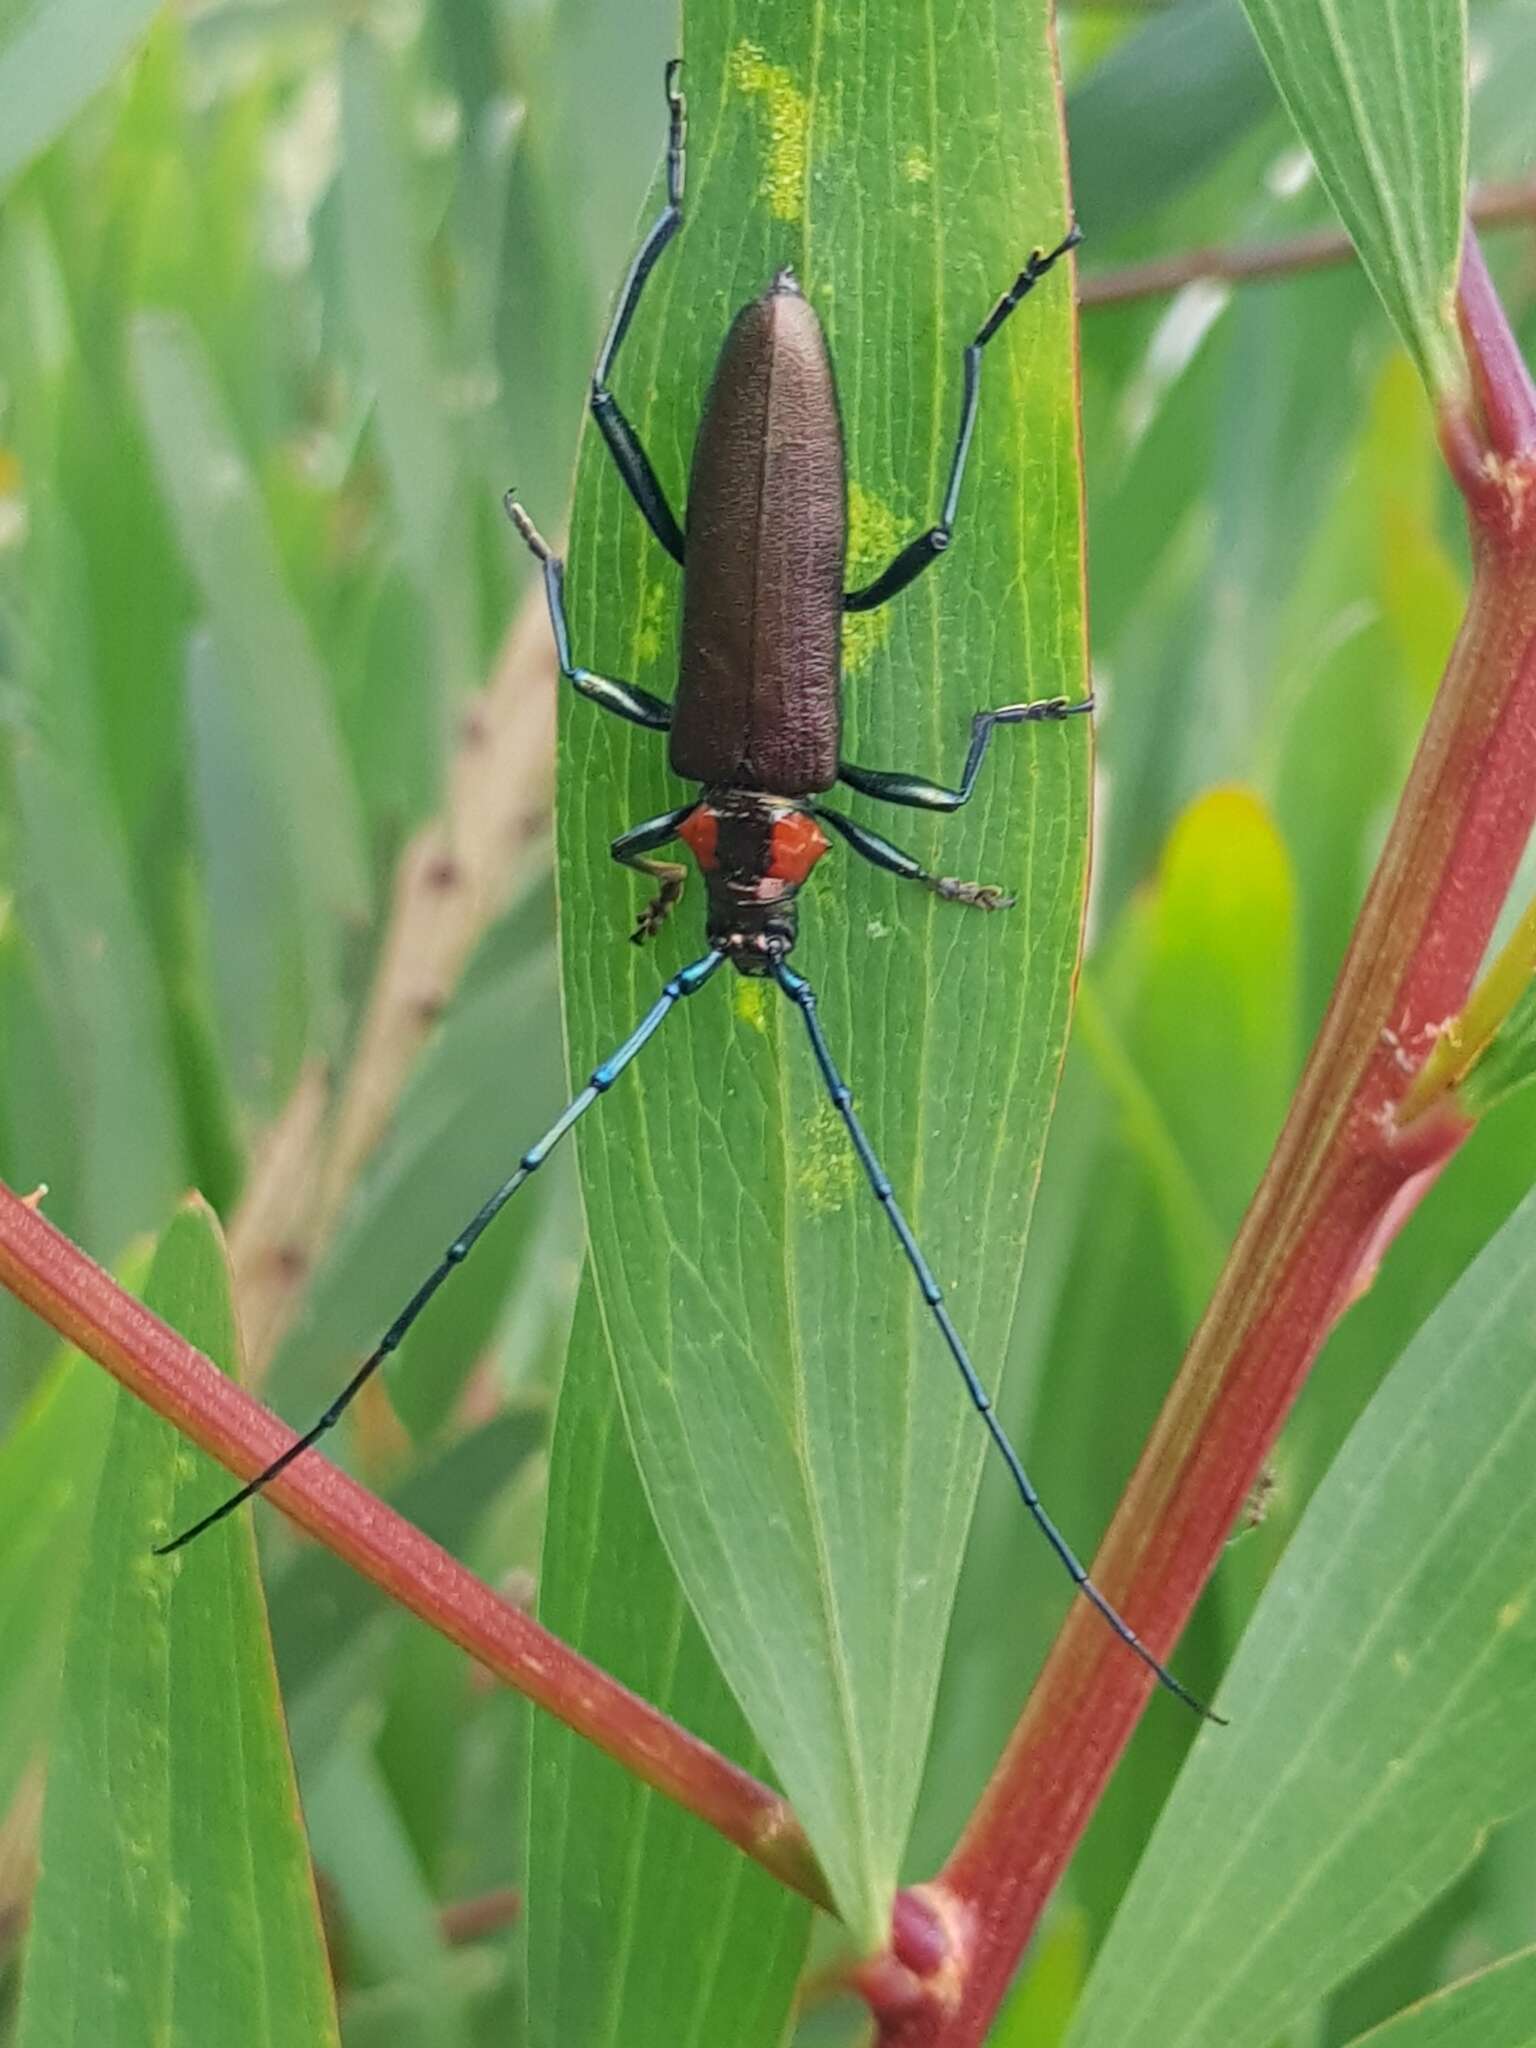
{"points": [[59, 1283], [473, 1919], [1342, 1178], [1496, 205]]}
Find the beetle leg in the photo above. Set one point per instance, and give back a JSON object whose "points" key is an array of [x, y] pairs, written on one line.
{"points": [[916, 556], [627, 700], [599, 1082], [630, 458], [882, 854], [632, 847], [892, 787]]}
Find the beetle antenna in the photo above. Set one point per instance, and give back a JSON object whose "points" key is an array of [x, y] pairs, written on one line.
{"points": [[803, 996], [601, 1080]]}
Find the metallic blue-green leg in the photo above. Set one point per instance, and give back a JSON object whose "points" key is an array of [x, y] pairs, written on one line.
{"points": [[624, 445], [892, 787], [625, 700], [800, 993], [602, 1079], [919, 554]]}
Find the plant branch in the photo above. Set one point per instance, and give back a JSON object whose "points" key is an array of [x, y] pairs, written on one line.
{"points": [[1509, 204], [1343, 1177], [59, 1283]]}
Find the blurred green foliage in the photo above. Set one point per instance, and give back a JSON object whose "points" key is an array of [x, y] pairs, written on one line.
{"points": [[288, 296]]}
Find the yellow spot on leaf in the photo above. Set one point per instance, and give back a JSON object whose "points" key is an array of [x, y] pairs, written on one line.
{"points": [[782, 188], [1511, 1613], [653, 607], [825, 1178], [873, 537], [749, 999], [917, 166]]}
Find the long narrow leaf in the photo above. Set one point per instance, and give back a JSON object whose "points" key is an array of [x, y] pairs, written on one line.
{"points": [[1383, 1704], [807, 1448], [176, 1905], [1378, 89], [644, 1931]]}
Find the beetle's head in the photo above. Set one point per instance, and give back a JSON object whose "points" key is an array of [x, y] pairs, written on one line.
{"points": [[754, 942]]}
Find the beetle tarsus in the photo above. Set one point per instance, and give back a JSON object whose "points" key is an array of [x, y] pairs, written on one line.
{"points": [[677, 130], [659, 909], [975, 895], [1044, 708], [1040, 261], [537, 544]]}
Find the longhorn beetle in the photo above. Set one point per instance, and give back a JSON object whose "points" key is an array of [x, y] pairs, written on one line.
{"points": [[757, 721]]}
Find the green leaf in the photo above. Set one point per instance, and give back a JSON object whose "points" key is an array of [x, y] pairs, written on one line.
{"points": [[1169, 101], [392, 1922], [644, 1929], [1508, 1064], [1383, 1702], [48, 1470], [1494, 2009], [176, 1903], [806, 1445], [380, 237], [276, 689], [1378, 89], [54, 54], [1215, 1023], [1038, 2013]]}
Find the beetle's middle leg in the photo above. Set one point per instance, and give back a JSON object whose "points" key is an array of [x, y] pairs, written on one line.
{"points": [[891, 786], [916, 556], [628, 700], [624, 445], [633, 847]]}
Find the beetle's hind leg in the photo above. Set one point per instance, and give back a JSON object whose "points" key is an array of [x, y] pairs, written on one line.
{"points": [[633, 847], [626, 700], [919, 554], [882, 854], [624, 445]]}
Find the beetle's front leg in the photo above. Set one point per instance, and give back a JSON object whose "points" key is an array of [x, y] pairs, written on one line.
{"points": [[632, 848]]}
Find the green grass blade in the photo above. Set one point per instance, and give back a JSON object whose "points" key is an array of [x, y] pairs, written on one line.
{"points": [[394, 1933], [644, 1930], [54, 54], [802, 1435], [176, 1905], [277, 689], [1378, 89], [1383, 1702], [1494, 2009], [1509, 1064], [48, 1469]]}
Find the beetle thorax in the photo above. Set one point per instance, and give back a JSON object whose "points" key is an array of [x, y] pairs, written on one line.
{"points": [[754, 850]]}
